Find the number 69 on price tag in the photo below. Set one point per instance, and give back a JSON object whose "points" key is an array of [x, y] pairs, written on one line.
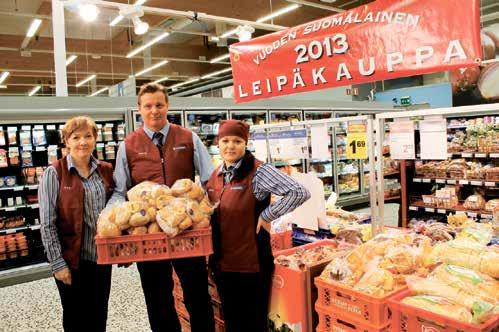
{"points": [[356, 146]]}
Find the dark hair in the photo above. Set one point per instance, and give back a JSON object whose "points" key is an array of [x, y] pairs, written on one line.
{"points": [[152, 88]]}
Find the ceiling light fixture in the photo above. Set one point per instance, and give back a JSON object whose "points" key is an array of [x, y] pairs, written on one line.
{"points": [[244, 32], [35, 24], [184, 83], [80, 83], [139, 2], [228, 33], [116, 20], [161, 79], [220, 58], [99, 91], [135, 13], [4, 76], [140, 27], [148, 44], [216, 73], [71, 59], [145, 70], [278, 13], [34, 90], [88, 12], [3, 86]]}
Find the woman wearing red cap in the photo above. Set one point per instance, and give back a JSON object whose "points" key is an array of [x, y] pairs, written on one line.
{"points": [[242, 262]]}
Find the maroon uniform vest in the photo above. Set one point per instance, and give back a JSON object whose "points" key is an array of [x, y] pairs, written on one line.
{"points": [[145, 161], [70, 207], [239, 249]]}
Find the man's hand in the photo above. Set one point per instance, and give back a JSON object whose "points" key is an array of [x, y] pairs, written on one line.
{"points": [[262, 224], [64, 275]]}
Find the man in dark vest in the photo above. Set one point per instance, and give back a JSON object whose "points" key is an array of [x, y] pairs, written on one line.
{"points": [[163, 152]]}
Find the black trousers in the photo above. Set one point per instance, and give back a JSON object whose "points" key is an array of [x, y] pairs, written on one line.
{"points": [[157, 284], [250, 291], [85, 301]]}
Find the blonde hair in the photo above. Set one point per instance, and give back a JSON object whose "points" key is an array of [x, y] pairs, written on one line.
{"points": [[77, 123]]}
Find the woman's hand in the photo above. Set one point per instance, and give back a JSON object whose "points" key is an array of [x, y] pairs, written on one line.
{"points": [[64, 275], [264, 224]]}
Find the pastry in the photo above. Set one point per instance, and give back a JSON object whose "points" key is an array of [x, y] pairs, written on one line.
{"points": [[194, 212], [154, 228], [106, 229], [181, 187], [141, 230]]}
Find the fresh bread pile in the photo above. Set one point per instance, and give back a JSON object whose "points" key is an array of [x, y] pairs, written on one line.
{"points": [[155, 208]]}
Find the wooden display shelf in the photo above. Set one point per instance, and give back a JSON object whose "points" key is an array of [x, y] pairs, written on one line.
{"points": [[420, 206]]}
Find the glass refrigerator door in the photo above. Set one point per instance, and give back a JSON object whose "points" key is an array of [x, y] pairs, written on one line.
{"points": [[323, 168], [172, 116], [205, 124], [318, 115], [285, 116], [256, 117]]}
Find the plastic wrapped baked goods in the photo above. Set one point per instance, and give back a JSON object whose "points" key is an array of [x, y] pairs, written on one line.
{"points": [[458, 220], [470, 281], [492, 205], [477, 233], [440, 305], [188, 189], [148, 192], [474, 202], [105, 223], [303, 258]]}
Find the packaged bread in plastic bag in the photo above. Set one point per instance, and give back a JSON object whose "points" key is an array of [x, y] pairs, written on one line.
{"points": [[148, 191], [470, 281], [376, 281], [441, 306], [480, 233]]}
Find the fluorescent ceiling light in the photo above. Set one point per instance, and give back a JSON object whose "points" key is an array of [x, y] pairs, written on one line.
{"points": [[139, 2], [99, 91], [148, 44], [88, 12], [34, 90], [216, 73], [278, 13], [71, 59], [220, 58], [3, 86], [80, 83], [116, 20], [161, 79], [184, 83], [4, 76], [228, 33], [35, 24], [159, 64]]}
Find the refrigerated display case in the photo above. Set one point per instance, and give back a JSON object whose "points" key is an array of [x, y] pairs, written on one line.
{"points": [[252, 117], [205, 123], [277, 116], [32, 142], [176, 117], [318, 114]]}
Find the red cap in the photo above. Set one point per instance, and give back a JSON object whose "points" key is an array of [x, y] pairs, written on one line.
{"points": [[234, 128]]}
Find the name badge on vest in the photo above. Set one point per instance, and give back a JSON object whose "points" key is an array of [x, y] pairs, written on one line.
{"points": [[180, 147], [141, 153], [67, 188], [237, 187]]}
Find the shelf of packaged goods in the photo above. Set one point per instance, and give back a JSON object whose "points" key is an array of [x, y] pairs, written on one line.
{"points": [[18, 207], [474, 154], [17, 229], [397, 172], [324, 161], [20, 188], [421, 207], [477, 183]]}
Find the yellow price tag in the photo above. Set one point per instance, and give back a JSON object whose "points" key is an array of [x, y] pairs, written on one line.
{"points": [[356, 146]]}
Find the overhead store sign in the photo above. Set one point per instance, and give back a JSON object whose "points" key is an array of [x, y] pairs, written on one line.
{"points": [[382, 40]]}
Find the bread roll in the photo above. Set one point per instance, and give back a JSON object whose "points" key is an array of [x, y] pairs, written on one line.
{"points": [[139, 218], [154, 228], [151, 212], [141, 230], [142, 191], [123, 214], [196, 193], [194, 211], [181, 187], [186, 223], [106, 229], [202, 224], [205, 206], [163, 200], [439, 305]]}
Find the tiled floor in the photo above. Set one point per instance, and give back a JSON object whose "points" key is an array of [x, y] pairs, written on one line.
{"points": [[35, 306]]}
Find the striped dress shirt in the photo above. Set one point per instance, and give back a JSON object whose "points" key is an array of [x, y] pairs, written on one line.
{"points": [[94, 202], [269, 180]]}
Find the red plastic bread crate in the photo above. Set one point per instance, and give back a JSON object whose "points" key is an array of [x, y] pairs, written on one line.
{"points": [[407, 318], [281, 241], [332, 321], [149, 247], [348, 302]]}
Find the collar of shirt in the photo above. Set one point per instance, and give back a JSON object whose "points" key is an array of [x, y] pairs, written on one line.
{"points": [[164, 131], [231, 169], [94, 163]]}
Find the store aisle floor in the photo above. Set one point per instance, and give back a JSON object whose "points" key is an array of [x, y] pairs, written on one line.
{"points": [[35, 306]]}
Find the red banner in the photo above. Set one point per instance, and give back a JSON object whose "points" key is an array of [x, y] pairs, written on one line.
{"points": [[382, 40]]}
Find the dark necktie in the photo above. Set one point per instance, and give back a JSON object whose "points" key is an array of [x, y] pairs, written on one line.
{"points": [[159, 140]]}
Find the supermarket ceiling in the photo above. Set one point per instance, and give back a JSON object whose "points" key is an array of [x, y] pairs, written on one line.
{"points": [[102, 49]]}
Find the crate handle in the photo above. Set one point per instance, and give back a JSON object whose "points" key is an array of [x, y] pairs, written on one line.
{"points": [[422, 320], [350, 325], [346, 296]]}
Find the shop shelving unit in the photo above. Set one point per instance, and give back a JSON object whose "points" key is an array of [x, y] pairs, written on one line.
{"points": [[421, 184]]}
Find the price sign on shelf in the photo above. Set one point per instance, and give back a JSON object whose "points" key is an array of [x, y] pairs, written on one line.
{"points": [[356, 141]]}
